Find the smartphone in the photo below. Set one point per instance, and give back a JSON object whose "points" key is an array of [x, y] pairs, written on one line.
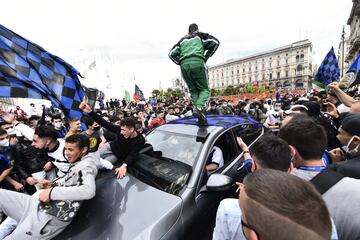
{"points": [[85, 99], [324, 107]]}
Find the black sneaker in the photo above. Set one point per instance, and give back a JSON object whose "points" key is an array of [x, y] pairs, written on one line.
{"points": [[200, 116]]}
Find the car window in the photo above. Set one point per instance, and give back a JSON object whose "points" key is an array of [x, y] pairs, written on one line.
{"points": [[227, 144], [166, 160], [249, 133]]}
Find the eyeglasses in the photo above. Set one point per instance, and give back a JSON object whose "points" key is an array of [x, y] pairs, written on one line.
{"points": [[243, 224]]}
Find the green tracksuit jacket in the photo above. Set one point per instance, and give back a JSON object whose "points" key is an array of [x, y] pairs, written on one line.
{"points": [[191, 53]]}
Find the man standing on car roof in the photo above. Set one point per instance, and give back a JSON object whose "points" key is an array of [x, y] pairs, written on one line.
{"points": [[191, 53]]}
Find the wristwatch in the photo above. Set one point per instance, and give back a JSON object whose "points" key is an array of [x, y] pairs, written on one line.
{"points": [[124, 164]]}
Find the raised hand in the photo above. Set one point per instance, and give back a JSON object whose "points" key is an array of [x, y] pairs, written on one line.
{"points": [[85, 107]]}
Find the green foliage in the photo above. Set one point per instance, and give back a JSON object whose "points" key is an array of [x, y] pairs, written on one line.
{"points": [[169, 94], [249, 88]]}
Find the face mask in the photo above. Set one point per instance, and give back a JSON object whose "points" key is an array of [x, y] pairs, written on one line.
{"points": [[352, 152], [10, 131], [58, 125], [4, 143], [97, 128]]}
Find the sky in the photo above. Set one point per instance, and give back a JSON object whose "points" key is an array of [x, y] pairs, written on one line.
{"points": [[130, 39]]}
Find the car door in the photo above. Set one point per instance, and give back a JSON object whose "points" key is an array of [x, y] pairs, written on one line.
{"points": [[206, 201], [249, 134]]}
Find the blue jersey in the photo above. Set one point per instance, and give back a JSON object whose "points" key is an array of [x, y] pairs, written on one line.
{"points": [[4, 163]]}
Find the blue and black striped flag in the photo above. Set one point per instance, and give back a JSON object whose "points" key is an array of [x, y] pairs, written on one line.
{"points": [[28, 71], [352, 77], [327, 73]]}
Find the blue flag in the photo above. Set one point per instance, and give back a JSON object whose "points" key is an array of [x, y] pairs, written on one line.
{"points": [[352, 77], [328, 71], [28, 71]]}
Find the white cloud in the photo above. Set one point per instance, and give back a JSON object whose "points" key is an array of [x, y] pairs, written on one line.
{"points": [[140, 33]]}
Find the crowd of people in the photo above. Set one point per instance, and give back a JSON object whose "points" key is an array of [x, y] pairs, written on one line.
{"points": [[45, 159]]}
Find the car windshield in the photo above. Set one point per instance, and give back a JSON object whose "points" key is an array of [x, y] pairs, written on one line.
{"points": [[166, 160]]}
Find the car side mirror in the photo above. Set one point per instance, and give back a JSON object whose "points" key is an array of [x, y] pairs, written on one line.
{"points": [[219, 182]]}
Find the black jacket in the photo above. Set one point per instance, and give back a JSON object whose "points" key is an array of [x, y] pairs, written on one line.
{"points": [[29, 159], [125, 149]]}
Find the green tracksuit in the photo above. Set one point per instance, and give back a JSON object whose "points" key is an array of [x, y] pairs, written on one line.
{"points": [[191, 53]]}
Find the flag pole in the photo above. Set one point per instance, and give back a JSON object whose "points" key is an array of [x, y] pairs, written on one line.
{"points": [[343, 52]]}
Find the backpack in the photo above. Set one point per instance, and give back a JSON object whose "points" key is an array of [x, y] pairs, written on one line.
{"points": [[335, 172]]}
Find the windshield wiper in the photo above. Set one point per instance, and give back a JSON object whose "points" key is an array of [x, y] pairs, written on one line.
{"points": [[137, 172]]}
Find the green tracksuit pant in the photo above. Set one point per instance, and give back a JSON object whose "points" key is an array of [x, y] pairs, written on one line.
{"points": [[194, 73]]}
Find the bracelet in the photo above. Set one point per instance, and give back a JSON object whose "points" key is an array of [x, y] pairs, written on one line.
{"points": [[246, 151]]}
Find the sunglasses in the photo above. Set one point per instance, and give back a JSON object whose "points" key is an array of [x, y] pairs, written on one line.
{"points": [[244, 224]]}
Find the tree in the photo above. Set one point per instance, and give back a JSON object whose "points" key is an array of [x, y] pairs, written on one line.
{"points": [[177, 94], [231, 90], [249, 88], [155, 93]]}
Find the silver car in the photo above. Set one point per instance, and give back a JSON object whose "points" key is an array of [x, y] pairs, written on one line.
{"points": [[168, 194]]}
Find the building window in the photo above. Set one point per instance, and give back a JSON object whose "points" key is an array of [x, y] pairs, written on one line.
{"points": [[232, 72], [263, 66], [278, 62], [238, 71], [302, 57], [299, 68], [286, 61], [270, 76], [243, 69], [278, 74], [250, 79], [269, 64], [297, 58], [255, 67], [299, 83], [249, 69], [287, 73]]}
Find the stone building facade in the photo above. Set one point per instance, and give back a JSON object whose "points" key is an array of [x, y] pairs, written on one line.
{"points": [[353, 48], [288, 67]]}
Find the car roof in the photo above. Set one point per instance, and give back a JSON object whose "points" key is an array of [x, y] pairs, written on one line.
{"points": [[224, 121]]}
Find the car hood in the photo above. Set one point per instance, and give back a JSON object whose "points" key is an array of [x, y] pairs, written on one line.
{"points": [[124, 209]]}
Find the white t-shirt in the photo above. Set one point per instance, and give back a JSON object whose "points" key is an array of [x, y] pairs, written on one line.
{"points": [[217, 158], [59, 159], [274, 116]]}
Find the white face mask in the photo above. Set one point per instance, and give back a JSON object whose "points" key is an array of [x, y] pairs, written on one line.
{"points": [[352, 152], [4, 143], [10, 131]]}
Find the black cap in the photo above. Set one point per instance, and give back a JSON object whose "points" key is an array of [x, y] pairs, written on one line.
{"points": [[313, 107], [351, 124]]}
